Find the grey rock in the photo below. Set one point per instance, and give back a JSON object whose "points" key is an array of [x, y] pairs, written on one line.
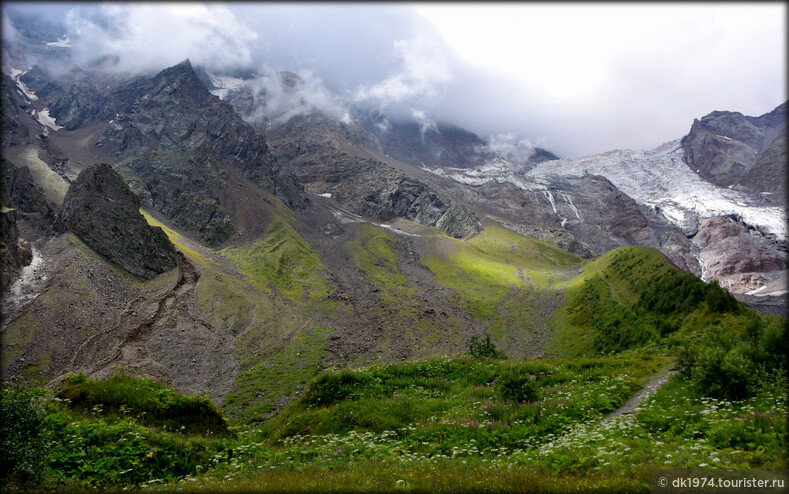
{"points": [[731, 149], [101, 210]]}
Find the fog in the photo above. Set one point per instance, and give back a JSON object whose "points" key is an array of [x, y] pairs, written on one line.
{"points": [[575, 79]]}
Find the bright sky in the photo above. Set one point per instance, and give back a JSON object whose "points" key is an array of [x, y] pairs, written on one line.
{"points": [[595, 58], [576, 78]]}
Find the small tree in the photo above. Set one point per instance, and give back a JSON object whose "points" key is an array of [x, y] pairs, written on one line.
{"points": [[483, 348], [517, 384]]}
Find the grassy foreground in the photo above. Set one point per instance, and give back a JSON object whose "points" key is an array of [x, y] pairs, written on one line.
{"points": [[438, 424]]}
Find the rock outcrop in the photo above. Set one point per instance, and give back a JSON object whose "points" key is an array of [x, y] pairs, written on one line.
{"points": [[176, 136], [14, 133], [320, 152], [433, 145], [730, 149], [101, 210], [15, 252], [741, 259]]}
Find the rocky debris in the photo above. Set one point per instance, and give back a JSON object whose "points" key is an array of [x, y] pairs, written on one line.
{"points": [[103, 212], [724, 147], [161, 338]]}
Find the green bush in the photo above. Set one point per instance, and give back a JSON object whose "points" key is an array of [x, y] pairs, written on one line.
{"points": [[483, 349], [730, 364], [517, 384], [332, 388], [23, 434], [153, 403]]}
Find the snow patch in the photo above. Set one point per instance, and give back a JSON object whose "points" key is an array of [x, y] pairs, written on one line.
{"points": [[224, 84], [60, 43], [30, 95], [44, 119], [326, 194]]}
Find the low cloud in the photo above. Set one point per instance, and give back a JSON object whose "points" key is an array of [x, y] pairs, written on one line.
{"points": [[509, 147], [149, 37], [425, 124], [280, 96], [424, 71]]}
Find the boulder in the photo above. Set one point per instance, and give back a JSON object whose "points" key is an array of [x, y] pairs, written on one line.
{"points": [[102, 211]]}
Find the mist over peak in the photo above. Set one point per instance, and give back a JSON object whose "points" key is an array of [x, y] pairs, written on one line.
{"points": [[485, 76]]}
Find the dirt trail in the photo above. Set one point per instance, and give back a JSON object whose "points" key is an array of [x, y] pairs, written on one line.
{"points": [[164, 338], [649, 389], [610, 288]]}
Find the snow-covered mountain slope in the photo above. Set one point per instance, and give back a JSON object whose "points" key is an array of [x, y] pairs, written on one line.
{"points": [[735, 236], [658, 178]]}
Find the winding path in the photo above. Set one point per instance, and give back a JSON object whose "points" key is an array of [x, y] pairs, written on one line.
{"points": [[649, 389]]}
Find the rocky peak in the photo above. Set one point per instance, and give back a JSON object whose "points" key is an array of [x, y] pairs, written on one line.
{"points": [[733, 150], [101, 210], [183, 79]]}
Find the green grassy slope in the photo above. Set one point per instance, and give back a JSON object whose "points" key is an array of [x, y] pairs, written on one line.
{"points": [[274, 304], [633, 296], [511, 281], [282, 259]]}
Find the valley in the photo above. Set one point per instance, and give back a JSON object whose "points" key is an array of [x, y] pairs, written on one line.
{"points": [[201, 295]]}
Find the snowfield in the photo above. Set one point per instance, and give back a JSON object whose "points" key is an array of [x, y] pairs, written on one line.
{"points": [[658, 178]]}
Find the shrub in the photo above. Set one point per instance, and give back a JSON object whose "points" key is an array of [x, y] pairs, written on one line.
{"points": [[727, 364], [331, 388], [483, 349], [23, 434], [153, 402], [517, 384]]}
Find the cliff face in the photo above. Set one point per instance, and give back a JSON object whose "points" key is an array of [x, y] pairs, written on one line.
{"points": [[174, 136], [730, 149], [103, 212], [322, 155], [15, 253]]}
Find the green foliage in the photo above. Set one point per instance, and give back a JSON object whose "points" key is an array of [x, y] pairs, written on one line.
{"points": [[633, 296], [445, 396], [329, 389], [517, 384], [282, 259], [282, 374], [730, 363], [23, 434], [154, 403], [92, 451], [483, 348]]}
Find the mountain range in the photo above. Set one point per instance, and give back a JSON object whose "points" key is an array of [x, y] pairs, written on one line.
{"points": [[181, 225]]}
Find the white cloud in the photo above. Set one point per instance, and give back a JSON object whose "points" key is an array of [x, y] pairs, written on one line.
{"points": [[425, 123], [510, 147], [153, 36], [280, 97], [424, 70]]}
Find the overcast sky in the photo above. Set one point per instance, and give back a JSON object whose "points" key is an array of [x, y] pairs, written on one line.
{"points": [[574, 78]]}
